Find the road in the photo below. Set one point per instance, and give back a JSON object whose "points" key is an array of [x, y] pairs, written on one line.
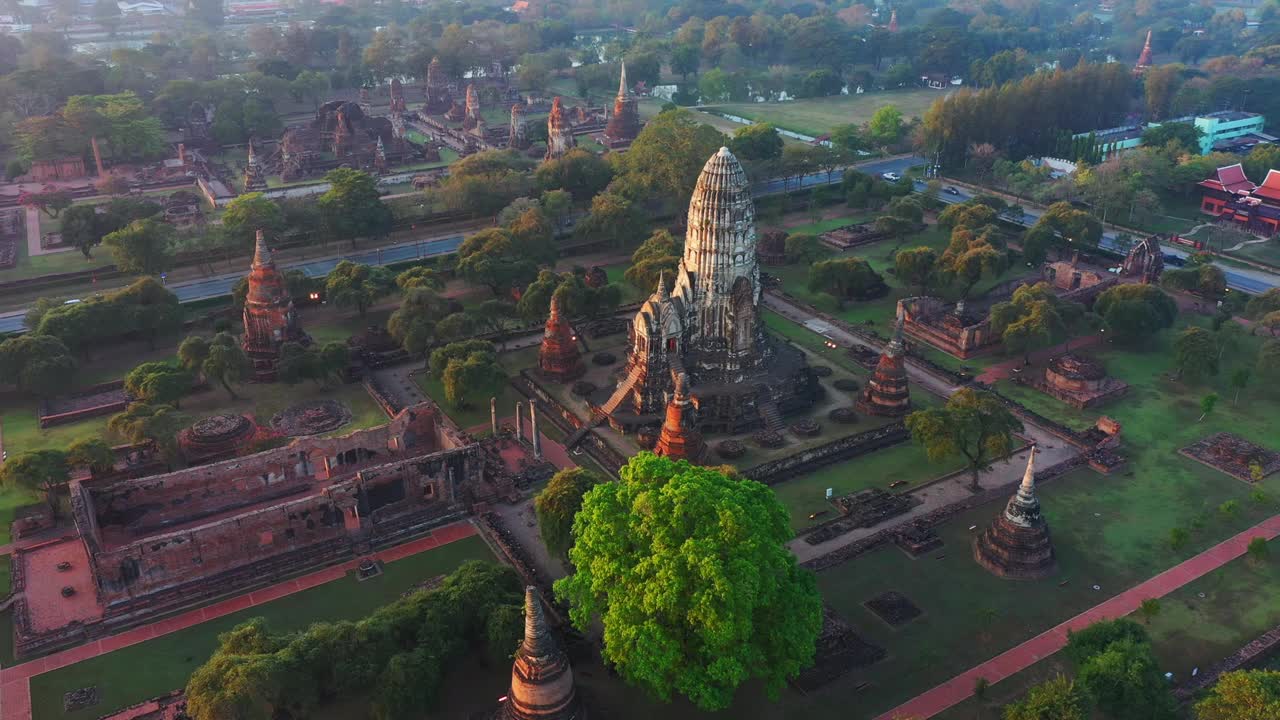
{"points": [[218, 286], [1246, 280]]}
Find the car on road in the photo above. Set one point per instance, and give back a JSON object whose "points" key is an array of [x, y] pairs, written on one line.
{"points": [[1174, 260], [891, 176], [951, 190]]}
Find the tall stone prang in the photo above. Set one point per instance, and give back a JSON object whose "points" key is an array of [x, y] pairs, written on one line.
{"points": [[438, 99], [255, 179], [472, 116], [518, 133], [1144, 59], [559, 132], [559, 357], [893, 20], [1017, 544], [542, 685], [270, 319], [397, 97], [708, 325], [886, 393], [1145, 260], [624, 123], [679, 438]]}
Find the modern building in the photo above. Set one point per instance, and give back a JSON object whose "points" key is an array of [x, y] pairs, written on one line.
{"points": [[1223, 131], [1232, 197]]}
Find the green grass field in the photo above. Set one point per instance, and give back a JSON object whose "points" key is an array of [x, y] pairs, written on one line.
{"points": [[816, 116], [157, 666]]}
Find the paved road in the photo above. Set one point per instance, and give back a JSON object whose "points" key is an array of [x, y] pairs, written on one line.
{"points": [[1244, 279]]}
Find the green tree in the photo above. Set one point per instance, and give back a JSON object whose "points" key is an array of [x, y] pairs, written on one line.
{"points": [[469, 376], [1185, 134], [974, 425], [1242, 695], [581, 173], [1267, 366], [969, 258], [143, 247], [664, 161], [657, 256], [759, 142], [42, 470], [1124, 680], [653, 593], [1031, 320], [92, 453], [613, 219], [157, 383], [80, 228], [1258, 549], [226, 362], [420, 277], [39, 364], [846, 278], [885, 127], [557, 204], [413, 324], [804, 249], [249, 213], [1134, 312], [558, 504], [352, 207], [1195, 354], [1207, 404], [156, 424], [1148, 609], [353, 285], [1178, 538], [1055, 699], [917, 267], [491, 258]]}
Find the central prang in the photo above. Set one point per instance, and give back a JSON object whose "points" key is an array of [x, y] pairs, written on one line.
{"points": [[706, 325]]}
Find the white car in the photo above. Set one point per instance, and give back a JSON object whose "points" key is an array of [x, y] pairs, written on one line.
{"points": [[891, 176]]}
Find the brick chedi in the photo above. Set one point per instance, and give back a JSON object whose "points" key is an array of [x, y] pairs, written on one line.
{"points": [[680, 439], [472, 117], [559, 132], [397, 97], [1144, 58], [559, 357], [518, 133], [270, 319], [542, 685], [1017, 544], [624, 123], [886, 393], [255, 179], [438, 99], [708, 325]]}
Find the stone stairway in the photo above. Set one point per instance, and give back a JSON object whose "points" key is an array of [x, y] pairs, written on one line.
{"points": [[772, 418], [576, 436], [620, 393]]}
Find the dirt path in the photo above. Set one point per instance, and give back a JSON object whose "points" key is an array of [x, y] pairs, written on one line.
{"points": [[960, 687], [15, 685]]}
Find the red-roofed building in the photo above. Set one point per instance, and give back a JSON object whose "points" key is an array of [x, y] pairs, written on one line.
{"points": [[1231, 196]]}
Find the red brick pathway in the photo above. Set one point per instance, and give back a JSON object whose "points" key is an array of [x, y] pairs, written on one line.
{"points": [[960, 687], [15, 688], [1004, 370]]}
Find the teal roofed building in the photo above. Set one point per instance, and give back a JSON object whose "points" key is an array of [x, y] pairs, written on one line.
{"points": [[1223, 131]]}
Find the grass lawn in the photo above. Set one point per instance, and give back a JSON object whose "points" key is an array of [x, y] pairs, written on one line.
{"points": [[477, 412], [157, 666], [816, 116]]}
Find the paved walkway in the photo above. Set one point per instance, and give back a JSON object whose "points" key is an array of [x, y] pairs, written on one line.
{"points": [[960, 687], [1004, 370], [15, 687]]}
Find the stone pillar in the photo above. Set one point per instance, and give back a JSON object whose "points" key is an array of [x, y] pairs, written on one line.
{"points": [[519, 422], [493, 415], [533, 430]]}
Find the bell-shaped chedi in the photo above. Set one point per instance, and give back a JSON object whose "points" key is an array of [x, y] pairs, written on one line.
{"points": [[624, 123], [270, 319], [1017, 544], [541, 679], [559, 132], [559, 358], [886, 393], [680, 439]]}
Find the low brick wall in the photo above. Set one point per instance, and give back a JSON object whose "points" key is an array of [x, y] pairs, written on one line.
{"points": [[776, 471], [1254, 653]]}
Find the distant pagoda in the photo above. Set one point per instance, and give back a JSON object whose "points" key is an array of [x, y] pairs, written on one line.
{"points": [[397, 97], [255, 179], [518, 133], [886, 393], [680, 439], [270, 319], [559, 132], [559, 357], [541, 679], [438, 98], [893, 20], [624, 123], [1017, 544], [1144, 59], [472, 117]]}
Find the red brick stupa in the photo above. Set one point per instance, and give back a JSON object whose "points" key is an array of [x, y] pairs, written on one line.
{"points": [[1144, 60], [559, 132], [1017, 544], [541, 678], [886, 393], [679, 439], [559, 357], [269, 317], [624, 124]]}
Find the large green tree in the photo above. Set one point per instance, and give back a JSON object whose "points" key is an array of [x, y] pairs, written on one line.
{"points": [[158, 383], [974, 425], [469, 370], [413, 324], [41, 470], [38, 364], [664, 161], [675, 623], [249, 213], [491, 258], [559, 502], [1242, 695], [1055, 699], [969, 258], [1195, 354], [917, 267], [1034, 318], [352, 207], [359, 286], [846, 278], [143, 247], [1134, 312], [657, 256], [93, 453]]}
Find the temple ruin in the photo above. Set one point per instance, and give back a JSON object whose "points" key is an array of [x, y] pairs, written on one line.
{"points": [[955, 331], [559, 357], [559, 132], [1071, 280], [624, 123], [270, 319], [679, 439], [707, 327], [542, 686], [1145, 261], [886, 393], [1017, 544], [1077, 380]]}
